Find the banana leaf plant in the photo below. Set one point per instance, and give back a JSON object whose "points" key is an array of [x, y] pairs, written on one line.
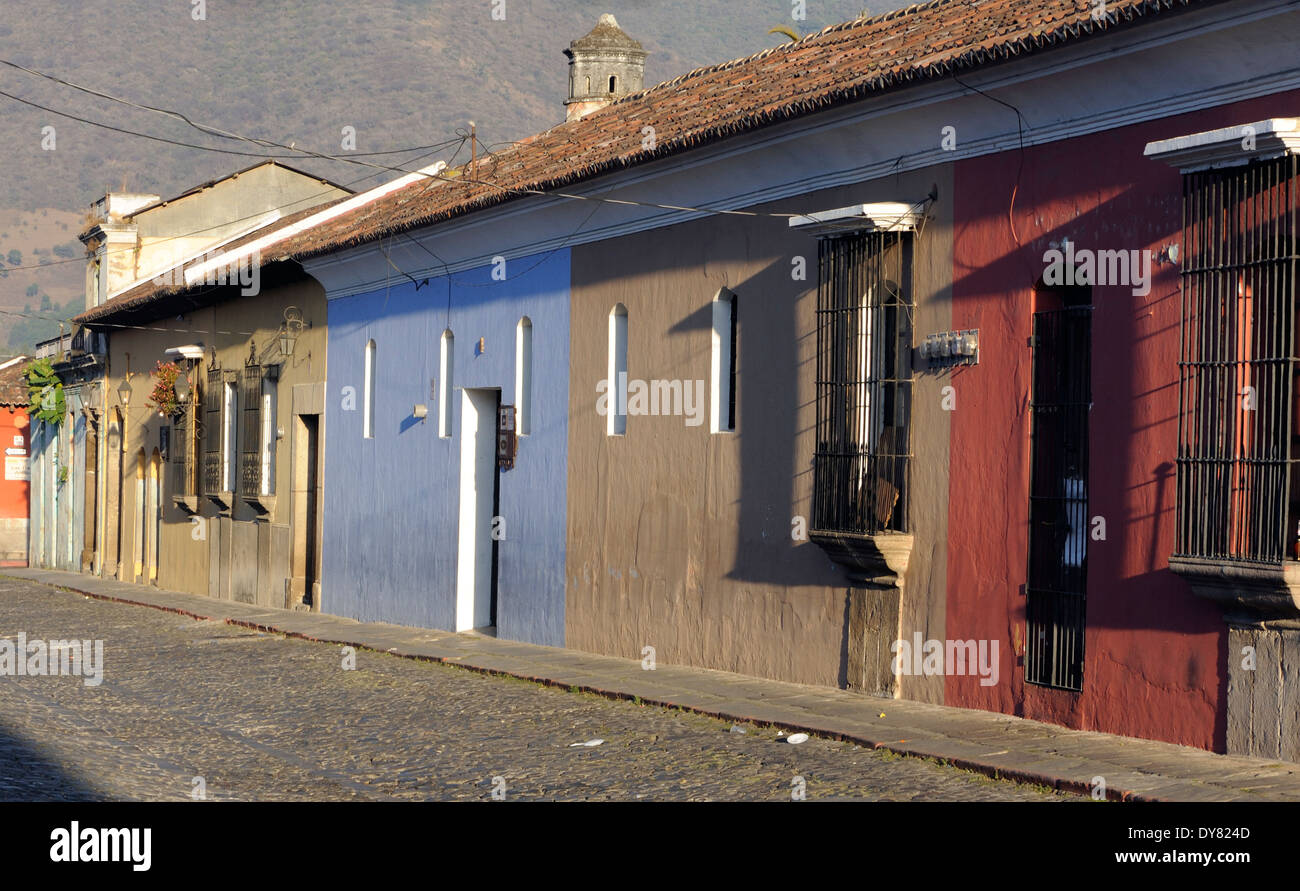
{"points": [[45, 393]]}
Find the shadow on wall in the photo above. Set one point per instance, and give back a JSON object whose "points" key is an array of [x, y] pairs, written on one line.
{"points": [[767, 429], [1132, 421], [1135, 553]]}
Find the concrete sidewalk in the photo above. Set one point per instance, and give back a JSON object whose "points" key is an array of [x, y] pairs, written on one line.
{"points": [[993, 744]]}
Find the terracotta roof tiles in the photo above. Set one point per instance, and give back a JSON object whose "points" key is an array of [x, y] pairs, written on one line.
{"points": [[837, 65]]}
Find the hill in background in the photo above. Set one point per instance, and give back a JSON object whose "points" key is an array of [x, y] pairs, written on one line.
{"points": [[402, 72]]}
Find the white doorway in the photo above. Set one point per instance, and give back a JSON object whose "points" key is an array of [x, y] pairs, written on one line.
{"points": [[476, 563]]}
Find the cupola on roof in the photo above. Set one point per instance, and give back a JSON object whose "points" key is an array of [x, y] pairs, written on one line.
{"points": [[605, 64]]}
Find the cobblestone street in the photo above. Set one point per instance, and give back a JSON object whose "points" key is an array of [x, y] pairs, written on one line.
{"points": [[265, 717]]}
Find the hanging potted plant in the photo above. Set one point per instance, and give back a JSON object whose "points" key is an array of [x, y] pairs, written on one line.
{"points": [[163, 395]]}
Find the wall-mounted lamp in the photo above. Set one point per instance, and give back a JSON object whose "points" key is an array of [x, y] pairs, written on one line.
{"points": [[124, 391], [183, 388], [420, 412], [290, 329]]}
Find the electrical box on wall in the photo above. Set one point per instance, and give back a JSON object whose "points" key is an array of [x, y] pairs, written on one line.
{"points": [[506, 440], [949, 348]]}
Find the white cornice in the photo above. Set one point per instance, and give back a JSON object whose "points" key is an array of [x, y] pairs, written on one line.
{"points": [[883, 216], [1228, 146]]}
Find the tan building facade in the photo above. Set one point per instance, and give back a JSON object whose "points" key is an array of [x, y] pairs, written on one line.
{"points": [[119, 487], [219, 500], [703, 559]]}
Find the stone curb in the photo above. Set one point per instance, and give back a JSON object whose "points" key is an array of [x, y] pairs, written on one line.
{"points": [[1034, 770]]}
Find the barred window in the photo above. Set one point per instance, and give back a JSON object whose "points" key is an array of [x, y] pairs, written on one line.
{"points": [[212, 432], [1237, 423], [864, 383], [250, 455], [1057, 581], [184, 449]]}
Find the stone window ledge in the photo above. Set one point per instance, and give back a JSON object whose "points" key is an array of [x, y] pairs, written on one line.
{"points": [[187, 503], [263, 504], [223, 500], [1264, 591], [878, 560]]}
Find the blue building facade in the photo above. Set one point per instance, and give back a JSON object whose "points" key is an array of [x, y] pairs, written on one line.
{"points": [[395, 531]]}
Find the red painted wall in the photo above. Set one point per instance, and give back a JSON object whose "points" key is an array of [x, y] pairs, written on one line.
{"points": [[1154, 653], [14, 493]]}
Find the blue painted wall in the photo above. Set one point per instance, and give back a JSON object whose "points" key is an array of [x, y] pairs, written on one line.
{"points": [[392, 503]]}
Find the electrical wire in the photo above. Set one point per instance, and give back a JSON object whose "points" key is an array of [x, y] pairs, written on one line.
{"points": [[461, 178], [1020, 167], [48, 318], [351, 159], [202, 128], [222, 225]]}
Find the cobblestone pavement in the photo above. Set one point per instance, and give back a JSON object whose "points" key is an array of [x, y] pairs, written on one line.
{"points": [[265, 717]]}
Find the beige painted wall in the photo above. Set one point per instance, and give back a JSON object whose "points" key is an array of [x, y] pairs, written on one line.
{"points": [[680, 539], [155, 237], [177, 230], [239, 549]]}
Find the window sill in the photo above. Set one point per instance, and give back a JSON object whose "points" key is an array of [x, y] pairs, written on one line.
{"points": [[878, 560], [187, 503], [1254, 591], [263, 504], [223, 500]]}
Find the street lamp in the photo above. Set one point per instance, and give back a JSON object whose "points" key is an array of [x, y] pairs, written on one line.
{"points": [[183, 388]]}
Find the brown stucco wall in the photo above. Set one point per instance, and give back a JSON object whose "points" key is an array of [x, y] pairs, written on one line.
{"points": [[680, 539], [242, 554]]}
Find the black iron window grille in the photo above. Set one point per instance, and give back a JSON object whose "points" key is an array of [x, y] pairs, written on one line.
{"points": [[1056, 589], [1237, 368], [212, 432], [864, 383], [250, 454], [184, 450]]}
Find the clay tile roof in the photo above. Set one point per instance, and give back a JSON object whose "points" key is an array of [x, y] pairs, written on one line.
{"points": [[13, 386], [835, 66]]}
